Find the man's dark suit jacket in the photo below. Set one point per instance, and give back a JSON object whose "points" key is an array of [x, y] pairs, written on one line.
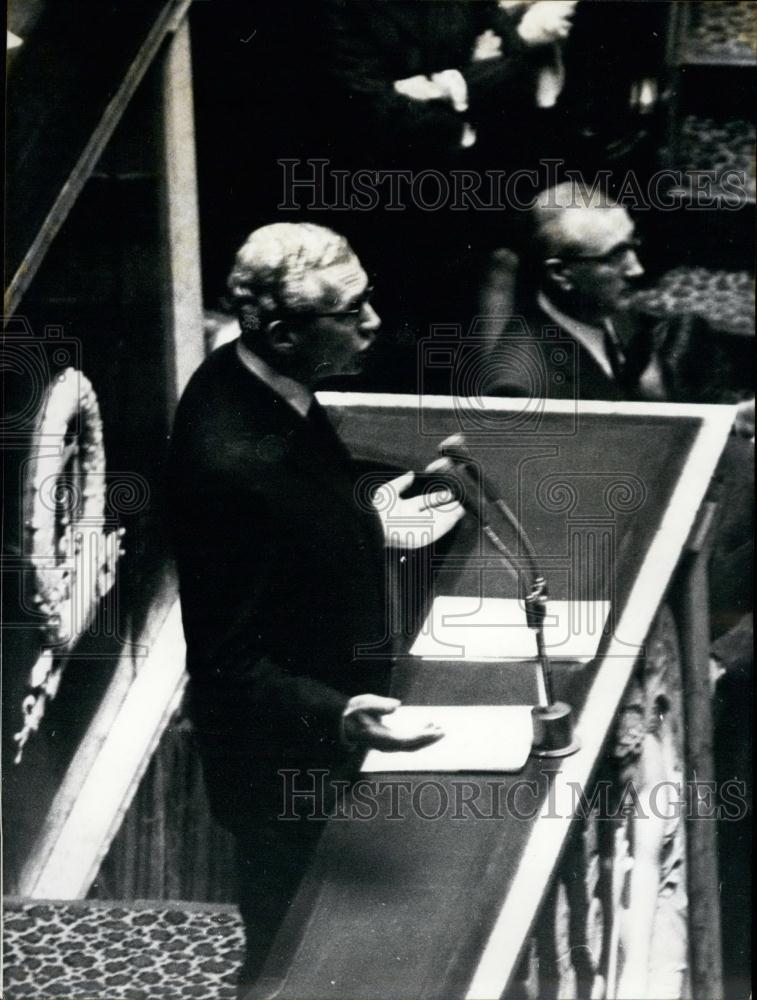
{"points": [[536, 357], [281, 577], [367, 46]]}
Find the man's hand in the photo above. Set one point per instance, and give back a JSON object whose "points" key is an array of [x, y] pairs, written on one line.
{"points": [[452, 84], [420, 88], [447, 85], [412, 522], [488, 46], [546, 21], [363, 728]]}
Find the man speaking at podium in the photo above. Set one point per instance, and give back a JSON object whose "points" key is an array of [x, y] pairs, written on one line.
{"points": [[281, 572]]}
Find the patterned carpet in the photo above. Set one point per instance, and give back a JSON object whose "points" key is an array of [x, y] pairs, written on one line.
{"points": [[112, 951]]}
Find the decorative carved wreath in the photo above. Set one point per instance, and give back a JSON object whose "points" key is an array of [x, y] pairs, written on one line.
{"points": [[72, 558]]}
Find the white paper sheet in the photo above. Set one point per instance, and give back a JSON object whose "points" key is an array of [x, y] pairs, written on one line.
{"points": [[475, 628], [477, 738]]}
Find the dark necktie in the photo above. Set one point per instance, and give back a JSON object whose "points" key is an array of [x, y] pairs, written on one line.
{"points": [[322, 427], [614, 351], [318, 419]]}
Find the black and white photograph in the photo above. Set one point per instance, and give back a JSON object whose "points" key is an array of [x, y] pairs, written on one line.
{"points": [[378, 497]]}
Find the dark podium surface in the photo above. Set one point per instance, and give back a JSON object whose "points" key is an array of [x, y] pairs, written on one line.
{"points": [[435, 894]]}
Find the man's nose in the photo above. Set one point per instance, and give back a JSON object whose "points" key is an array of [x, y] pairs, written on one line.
{"points": [[633, 267], [369, 319]]}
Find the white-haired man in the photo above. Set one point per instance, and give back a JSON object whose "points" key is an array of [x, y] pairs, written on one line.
{"points": [[280, 570]]}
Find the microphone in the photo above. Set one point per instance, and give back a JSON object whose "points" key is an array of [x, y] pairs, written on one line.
{"points": [[457, 477], [466, 484], [456, 449], [552, 720], [458, 461]]}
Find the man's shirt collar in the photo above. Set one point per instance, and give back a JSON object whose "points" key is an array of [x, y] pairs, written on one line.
{"points": [[590, 337], [298, 396]]}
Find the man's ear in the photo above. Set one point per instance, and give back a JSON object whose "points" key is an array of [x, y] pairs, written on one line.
{"points": [[282, 338], [559, 273]]}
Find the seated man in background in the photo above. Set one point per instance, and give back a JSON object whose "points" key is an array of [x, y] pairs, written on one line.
{"points": [[571, 335], [429, 89], [574, 290], [280, 569]]}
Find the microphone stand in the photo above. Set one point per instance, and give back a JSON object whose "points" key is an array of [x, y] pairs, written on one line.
{"points": [[552, 720], [536, 611]]}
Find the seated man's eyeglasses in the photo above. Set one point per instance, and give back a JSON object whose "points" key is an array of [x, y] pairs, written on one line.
{"points": [[615, 256]]}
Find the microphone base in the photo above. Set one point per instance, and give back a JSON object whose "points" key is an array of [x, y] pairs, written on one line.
{"points": [[553, 731]]}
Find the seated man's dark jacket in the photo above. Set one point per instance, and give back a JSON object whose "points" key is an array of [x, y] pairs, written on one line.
{"points": [[536, 357], [281, 579]]}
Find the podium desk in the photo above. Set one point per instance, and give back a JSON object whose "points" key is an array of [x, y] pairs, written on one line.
{"points": [[409, 903]]}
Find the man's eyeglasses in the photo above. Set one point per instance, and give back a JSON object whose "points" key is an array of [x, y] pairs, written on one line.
{"points": [[354, 310], [615, 256]]}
